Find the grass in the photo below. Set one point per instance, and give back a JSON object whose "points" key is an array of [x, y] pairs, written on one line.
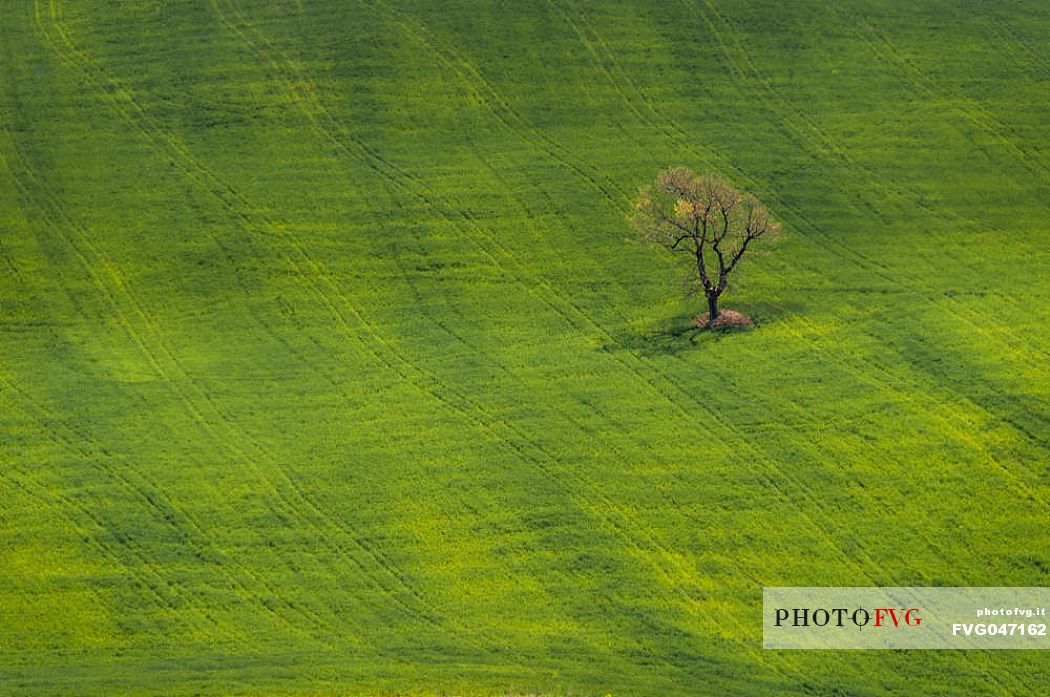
{"points": [[329, 363]]}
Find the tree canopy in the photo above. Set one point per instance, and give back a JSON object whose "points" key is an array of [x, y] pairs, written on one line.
{"points": [[705, 218]]}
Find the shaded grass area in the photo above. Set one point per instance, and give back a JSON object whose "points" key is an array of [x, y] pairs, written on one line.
{"points": [[329, 362]]}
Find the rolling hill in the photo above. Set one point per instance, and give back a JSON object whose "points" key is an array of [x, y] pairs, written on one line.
{"points": [[330, 364]]}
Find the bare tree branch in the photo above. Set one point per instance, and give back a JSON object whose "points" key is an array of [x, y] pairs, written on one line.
{"points": [[708, 213]]}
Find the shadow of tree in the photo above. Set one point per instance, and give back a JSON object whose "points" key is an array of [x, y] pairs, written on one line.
{"points": [[676, 334], [670, 336]]}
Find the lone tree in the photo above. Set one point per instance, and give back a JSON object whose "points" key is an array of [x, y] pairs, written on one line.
{"points": [[706, 218]]}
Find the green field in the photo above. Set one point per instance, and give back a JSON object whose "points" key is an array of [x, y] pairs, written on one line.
{"points": [[330, 363]]}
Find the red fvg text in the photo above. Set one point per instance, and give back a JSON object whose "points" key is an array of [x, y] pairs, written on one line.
{"points": [[840, 617]]}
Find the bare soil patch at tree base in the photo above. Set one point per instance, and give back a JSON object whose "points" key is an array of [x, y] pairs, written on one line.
{"points": [[726, 318]]}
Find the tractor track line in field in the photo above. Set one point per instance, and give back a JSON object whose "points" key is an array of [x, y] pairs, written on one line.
{"points": [[647, 546], [423, 37], [58, 219], [465, 410], [832, 356], [579, 312], [595, 325], [172, 596], [652, 385], [194, 169], [886, 52], [865, 262], [164, 510], [319, 114], [488, 416], [589, 39], [222, 191], [800, 128], [141, 344], [961, 436], [1008, 35], [590, 45], [145, 574], [824, 143], [464, 59], [686, 141], [486, 93], [370, 550], [88, 530], [6, 256]]}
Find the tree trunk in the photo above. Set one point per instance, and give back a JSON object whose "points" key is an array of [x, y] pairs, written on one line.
{"points": [[712, 308]]}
